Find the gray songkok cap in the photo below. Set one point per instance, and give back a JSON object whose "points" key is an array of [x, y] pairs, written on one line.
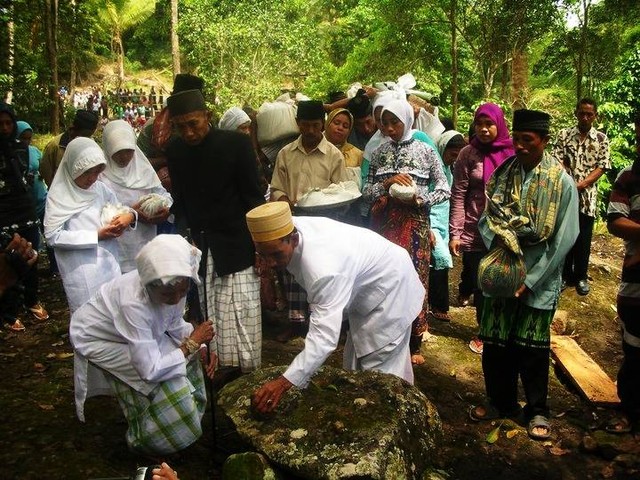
{"points": [[186, 102]]}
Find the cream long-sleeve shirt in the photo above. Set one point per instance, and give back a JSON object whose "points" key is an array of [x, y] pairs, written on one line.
{"points": [[296, 171]]}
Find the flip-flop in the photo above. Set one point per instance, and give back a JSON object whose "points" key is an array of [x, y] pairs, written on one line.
{"points": [[442, 316], [16, 326], [620, 424], [490, 413], [539, 421]]}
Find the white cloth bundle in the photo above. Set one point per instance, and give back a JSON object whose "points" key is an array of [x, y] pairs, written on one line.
{"points": [[276, 120], [333, 194], [152, 203], [403, 192], [110, 211]]}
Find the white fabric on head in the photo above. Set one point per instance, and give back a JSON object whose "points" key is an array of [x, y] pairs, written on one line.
{"points": [[65, 198], [444, 139], [383, 98], [404, 111], [139, 174], [166, 257], [233, 118]]}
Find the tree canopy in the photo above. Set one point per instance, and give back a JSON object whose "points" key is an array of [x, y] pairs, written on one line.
{"points": [[540, 54]]}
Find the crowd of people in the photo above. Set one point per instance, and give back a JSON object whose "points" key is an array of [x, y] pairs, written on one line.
{"points": [[171, 241]]}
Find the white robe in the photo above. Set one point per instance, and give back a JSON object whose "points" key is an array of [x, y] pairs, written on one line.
{"points": [[352, 269], [84, 262], [132, 240], [121, 331]]}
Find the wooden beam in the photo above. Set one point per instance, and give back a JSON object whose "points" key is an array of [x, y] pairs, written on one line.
{"points": [[594, 384]]}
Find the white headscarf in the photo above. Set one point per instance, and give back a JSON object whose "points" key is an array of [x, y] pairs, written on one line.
{"points": [[443, 140], [404, 111], [167, 257], [139, 174], [65, 198], [233, 118]]}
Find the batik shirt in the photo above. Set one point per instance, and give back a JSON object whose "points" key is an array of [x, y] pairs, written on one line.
{"points": [[580, 158]]}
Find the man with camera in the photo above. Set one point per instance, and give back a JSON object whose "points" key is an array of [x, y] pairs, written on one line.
{"points": [[17, 215]]}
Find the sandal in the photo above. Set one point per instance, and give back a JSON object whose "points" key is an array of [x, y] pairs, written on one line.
{"points": [[442, 316], [16, 326], [539, 421], [39, 312], [484, 413], [620, 424], [476, 345]]}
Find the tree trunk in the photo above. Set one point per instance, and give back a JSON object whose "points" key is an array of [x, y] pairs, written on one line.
{"points": [[580, 70], [519, 78], [454, 64], [8, 95], [119, 51], [504, 81], [51, 26], [175, 45]]}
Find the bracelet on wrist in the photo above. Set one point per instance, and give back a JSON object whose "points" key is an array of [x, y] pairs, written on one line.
{"points": [[190, 345]]}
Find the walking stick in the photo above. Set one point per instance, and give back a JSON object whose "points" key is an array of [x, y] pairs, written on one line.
{"points": [[201, 318], [212, 392]]}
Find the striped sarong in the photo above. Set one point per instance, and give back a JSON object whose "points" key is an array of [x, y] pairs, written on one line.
{"points": [[169, 418]]}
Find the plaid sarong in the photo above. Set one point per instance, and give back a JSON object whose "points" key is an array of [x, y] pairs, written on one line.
{"points": [[233, 303], [169, 418]]}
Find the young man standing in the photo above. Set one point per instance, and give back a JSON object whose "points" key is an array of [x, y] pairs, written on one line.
{"points": [[584, 152]]}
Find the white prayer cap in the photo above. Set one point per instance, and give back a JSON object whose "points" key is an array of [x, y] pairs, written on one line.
{"points": [[166, 257]]}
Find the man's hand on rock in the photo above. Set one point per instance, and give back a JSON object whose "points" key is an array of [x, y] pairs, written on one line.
{"points": [[267, 397]]}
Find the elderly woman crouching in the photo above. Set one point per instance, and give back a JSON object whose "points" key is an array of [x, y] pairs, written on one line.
{"points": [[131, 334]]}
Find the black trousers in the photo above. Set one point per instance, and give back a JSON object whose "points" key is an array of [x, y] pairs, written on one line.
{"points": [[576, 263], [25, 292], [469, 279], [503, 365], [439, 289], [629, 373]]}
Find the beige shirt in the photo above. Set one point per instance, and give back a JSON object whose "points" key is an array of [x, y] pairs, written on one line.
{"points": [[296, 171]]}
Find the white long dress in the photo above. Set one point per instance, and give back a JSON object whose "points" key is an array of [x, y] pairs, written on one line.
{"points": [[84, 262]]}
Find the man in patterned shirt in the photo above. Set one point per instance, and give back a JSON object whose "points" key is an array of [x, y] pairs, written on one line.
{"points": [[584, 152], [623, 220]]}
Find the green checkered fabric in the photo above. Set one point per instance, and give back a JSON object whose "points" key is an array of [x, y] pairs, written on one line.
{"points": [[169, 418]]}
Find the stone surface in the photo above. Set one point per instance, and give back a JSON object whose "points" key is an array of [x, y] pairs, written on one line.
{"points": [[248, 466], [344, 425]]}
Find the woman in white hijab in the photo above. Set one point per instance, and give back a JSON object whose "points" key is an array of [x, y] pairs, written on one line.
{"points": [[85, 248], [405, 179], [134, 332], [235, 119], [131, 177]]}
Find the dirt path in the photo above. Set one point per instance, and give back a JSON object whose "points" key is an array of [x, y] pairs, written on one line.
{"points": [[43, 439]]}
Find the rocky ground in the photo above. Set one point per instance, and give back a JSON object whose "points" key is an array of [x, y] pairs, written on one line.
{"points": [[43, 439]]}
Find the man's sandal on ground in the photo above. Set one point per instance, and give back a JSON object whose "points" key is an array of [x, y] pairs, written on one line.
{"points": [[539, 422], [620, 424]]}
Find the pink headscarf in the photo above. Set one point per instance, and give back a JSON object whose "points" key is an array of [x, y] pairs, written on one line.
{"points": [[496, 152]]}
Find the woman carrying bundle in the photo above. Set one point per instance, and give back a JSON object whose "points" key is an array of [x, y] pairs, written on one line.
{"points": [[405, 179], [134, 181]]}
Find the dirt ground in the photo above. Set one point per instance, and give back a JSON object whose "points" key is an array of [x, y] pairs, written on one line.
{"points": [[42, 438]]}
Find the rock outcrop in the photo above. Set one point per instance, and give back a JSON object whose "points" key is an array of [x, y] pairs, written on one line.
{"points": [[344, 425]]}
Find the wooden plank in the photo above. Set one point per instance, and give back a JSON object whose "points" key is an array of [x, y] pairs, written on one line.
{"points": [[584, 373]]}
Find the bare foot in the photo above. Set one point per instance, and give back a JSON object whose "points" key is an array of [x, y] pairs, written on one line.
{"points": [[417, 359]]}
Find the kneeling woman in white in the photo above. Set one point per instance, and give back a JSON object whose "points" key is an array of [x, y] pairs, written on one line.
{"points": [[86, 250], [131, 177], [133, 331]]}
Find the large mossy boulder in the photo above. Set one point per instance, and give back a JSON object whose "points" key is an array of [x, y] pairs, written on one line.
{"points": [[344, 425]]}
